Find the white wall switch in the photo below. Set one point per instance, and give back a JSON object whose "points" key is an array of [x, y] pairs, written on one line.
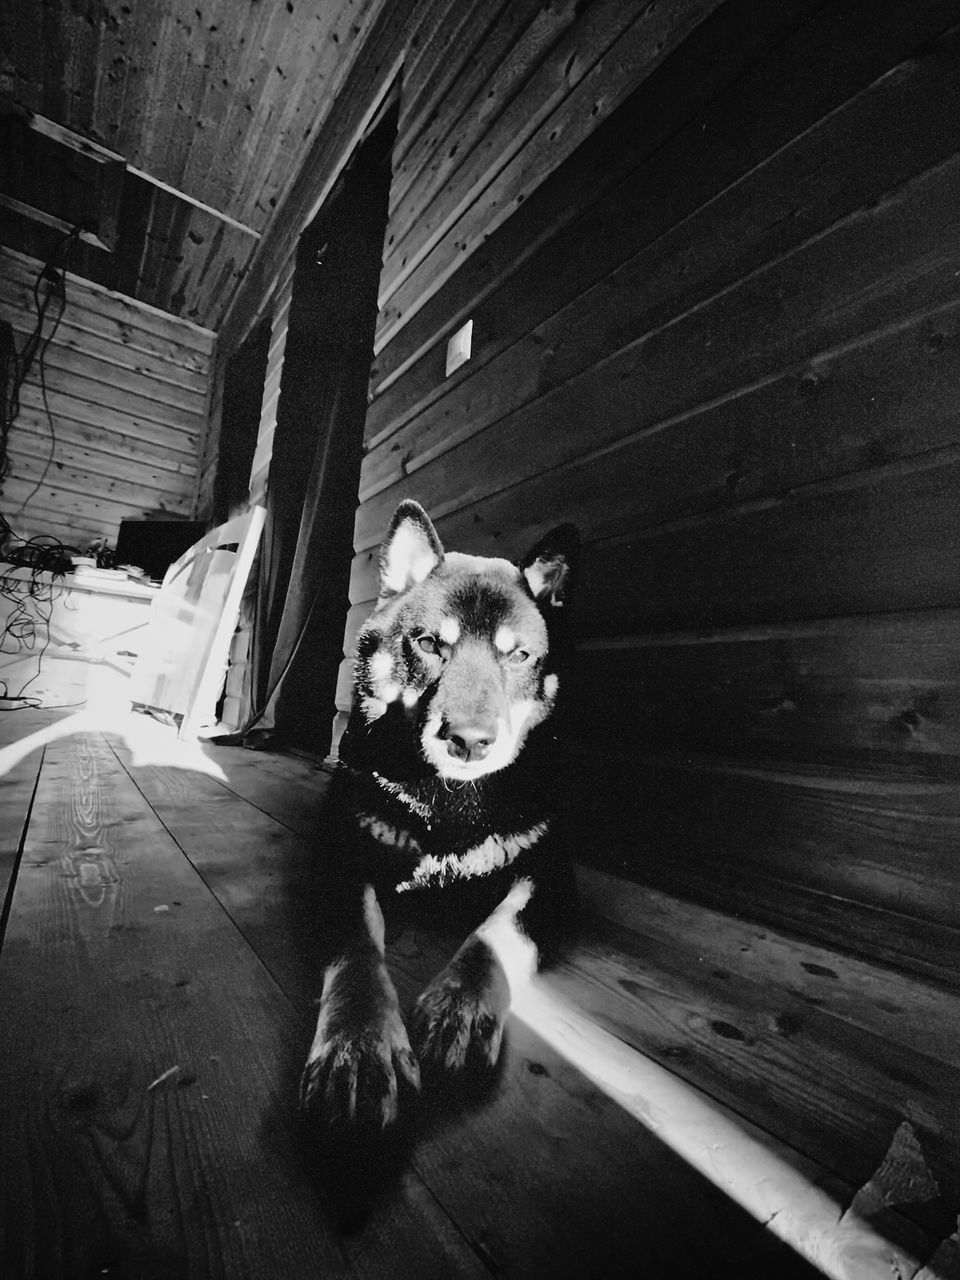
{"points": [[458, 347]]}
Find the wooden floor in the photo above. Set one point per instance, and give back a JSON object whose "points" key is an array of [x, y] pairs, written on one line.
{"points": [[156, 1002]]}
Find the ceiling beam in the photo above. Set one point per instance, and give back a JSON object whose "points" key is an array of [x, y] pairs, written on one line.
{"points": [[101, 155]]}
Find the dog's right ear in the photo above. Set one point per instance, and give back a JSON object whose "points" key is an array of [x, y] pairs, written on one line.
{"points": [[410, 551], [550, 566]]}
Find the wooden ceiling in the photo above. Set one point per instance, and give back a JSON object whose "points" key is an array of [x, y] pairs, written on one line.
{"points": [[212, 106]]}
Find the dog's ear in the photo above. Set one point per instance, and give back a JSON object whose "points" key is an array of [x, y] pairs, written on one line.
{"points": [[551, 565], [410, 551]]}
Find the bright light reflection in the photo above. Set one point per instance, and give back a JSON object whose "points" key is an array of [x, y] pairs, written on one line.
{"points": [[102, 692], [771, 1182]]}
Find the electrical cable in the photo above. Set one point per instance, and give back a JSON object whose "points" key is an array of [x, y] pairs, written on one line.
{"points": [[32, 598], [53, 275]]}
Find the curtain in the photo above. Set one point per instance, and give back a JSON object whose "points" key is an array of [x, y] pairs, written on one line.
{"points": [[306, 550]]}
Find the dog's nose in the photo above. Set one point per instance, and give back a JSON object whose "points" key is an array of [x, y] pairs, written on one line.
{"points": [[469, 741]]}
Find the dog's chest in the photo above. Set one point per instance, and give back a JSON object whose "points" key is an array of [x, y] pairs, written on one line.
{"points": [[417, 848]]}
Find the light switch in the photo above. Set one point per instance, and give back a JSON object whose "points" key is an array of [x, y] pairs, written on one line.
{"points": [[458, 347]]}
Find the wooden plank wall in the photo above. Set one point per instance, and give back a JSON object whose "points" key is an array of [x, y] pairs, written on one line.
{"points": [[219, 104], [127, 388], [715, 323]]}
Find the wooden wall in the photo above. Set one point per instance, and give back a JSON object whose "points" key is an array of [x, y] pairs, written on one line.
{"points": [[127, 388], [213, 107], [711, 256]]}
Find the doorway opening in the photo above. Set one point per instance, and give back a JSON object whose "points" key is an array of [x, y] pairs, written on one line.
{"points": [[315, 467]]}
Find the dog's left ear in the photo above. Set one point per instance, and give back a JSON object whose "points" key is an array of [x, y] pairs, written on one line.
{"points": [[551, 565], [410, 551]]}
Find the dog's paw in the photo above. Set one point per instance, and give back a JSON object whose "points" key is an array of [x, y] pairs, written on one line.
{"points": [[360, 1075], [457, 1024]]}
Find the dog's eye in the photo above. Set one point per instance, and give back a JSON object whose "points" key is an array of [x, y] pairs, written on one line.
{"points": [[428, 643], [519, 656]]}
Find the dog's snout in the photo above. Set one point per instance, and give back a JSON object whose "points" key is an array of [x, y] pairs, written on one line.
{"points": [[469, 741]]}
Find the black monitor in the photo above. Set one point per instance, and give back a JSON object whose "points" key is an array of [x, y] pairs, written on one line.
{"points": [[153, 545]]}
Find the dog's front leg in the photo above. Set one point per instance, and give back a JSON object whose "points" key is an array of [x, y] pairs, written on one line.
{"points": [[360, 1061], [457, 1024]]}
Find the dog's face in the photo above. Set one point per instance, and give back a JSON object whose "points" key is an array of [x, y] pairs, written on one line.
{"points": [[460, 644]]}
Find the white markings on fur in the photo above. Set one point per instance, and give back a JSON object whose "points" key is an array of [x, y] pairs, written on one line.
{"points": [[449, 631], [410, 696], [411, 802], [409, 559], [372, 708], [536, 577], [550, 685], [493, 853], [505, 640], [373, 918], [385, 687], [329, 1008], [502, 933], [387, 834], [546, 579], [381, 665]]}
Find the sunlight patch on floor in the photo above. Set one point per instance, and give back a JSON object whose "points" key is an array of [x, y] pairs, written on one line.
{"points": [[776, 1185], [100, 693]]}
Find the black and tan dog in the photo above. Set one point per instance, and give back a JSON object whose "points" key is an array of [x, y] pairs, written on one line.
{"points": [[446, 787]]}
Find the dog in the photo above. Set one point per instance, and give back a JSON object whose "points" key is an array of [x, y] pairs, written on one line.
{"points": [[444, 790]]}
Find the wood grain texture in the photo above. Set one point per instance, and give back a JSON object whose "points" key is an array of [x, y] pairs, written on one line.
{"points": [[119, 426], [883, 688], [886, 843], [279, 325], [110, 1158], [879, 1000], [87, 515], [435, 85], [270, 898], [123, 319], [738, 1037], [86, 472], [143, 353], [823, 1051], [570, 99], [728, 88], [196, 1176], [221, 105], [893, 393], [18, 779], [129, 412], [845, 540], [833, 289], [542, 328], [873, 543], [498, 59], [922, 948], [83, 444], [365, 82], [510, 1211]]}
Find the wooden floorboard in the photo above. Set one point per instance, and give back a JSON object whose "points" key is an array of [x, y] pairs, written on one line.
{"points": [[509, 1171], [18, 778], [119, 965], [828, 1054], [161, 923]]}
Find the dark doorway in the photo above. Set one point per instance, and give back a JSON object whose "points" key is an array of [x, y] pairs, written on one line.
{"points": [[315, 468], [240, 422]]}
